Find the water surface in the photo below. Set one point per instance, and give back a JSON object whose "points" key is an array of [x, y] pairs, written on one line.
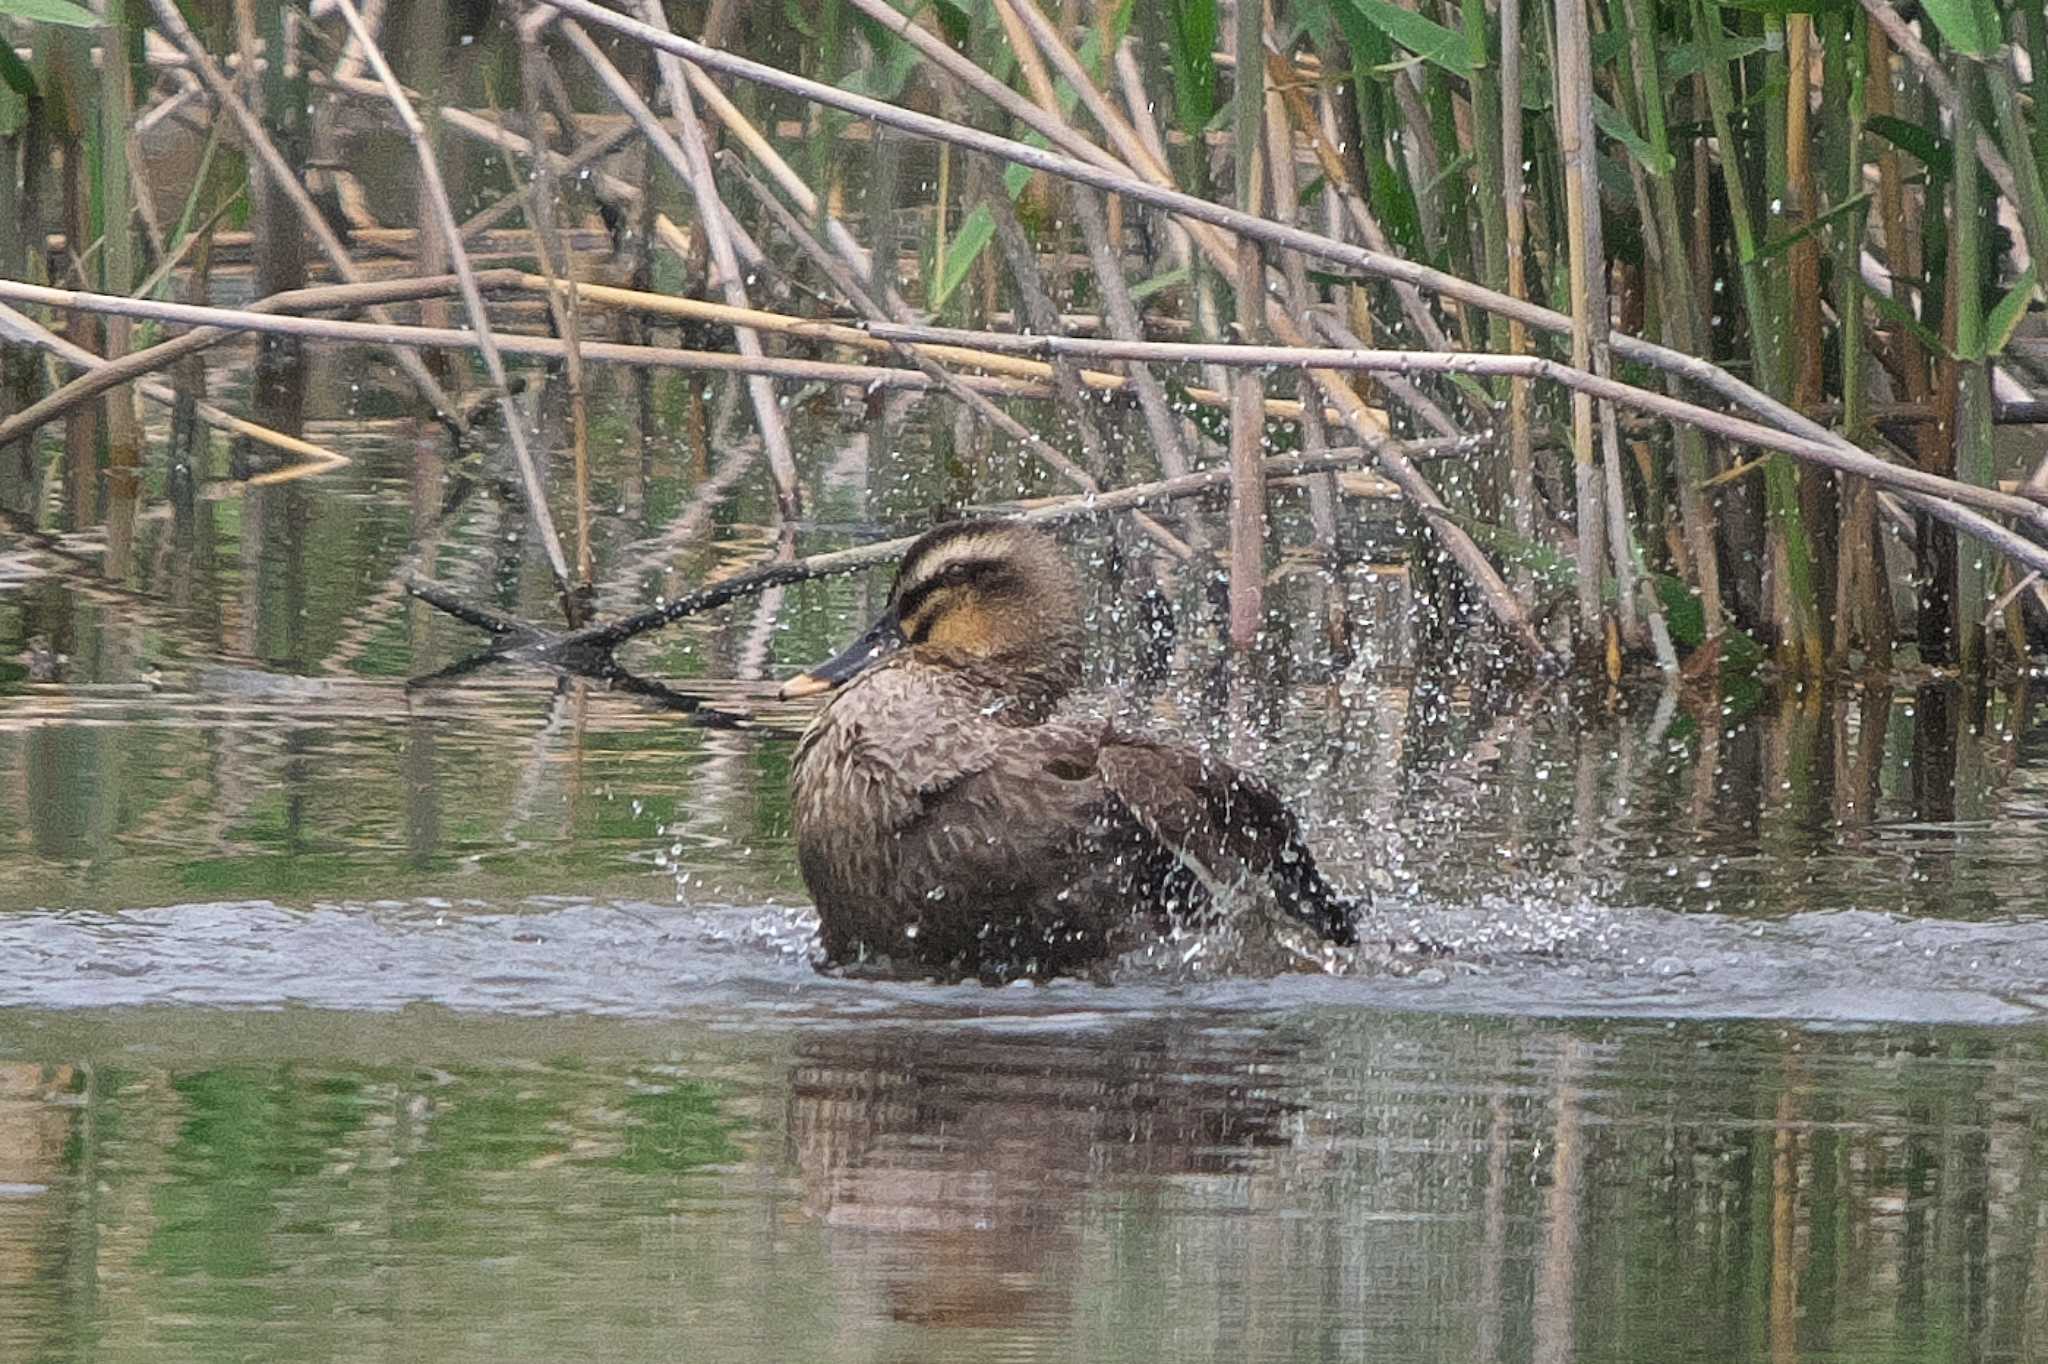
{"points": [[341, 1019]]}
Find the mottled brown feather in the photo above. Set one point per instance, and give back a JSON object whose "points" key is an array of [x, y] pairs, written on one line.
{"points": [[952, 818]]}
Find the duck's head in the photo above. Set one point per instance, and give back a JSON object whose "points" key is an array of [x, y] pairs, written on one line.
{"points": [[992, 596]]}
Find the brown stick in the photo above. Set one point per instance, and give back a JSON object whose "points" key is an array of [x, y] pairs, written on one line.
{"points": [[1908, 480], [179, 32], [1121, 316], [998, 360], [108, 374], [1411, 397], [1247, 518], [854, 293], [1575, 134], [1721, 424], [1338, 175], [542, 347], [602, 145], [792, 184], [688, 160], [563, 304], [492, 132], [594, 642], [1093, 171], [1910, 47], [1225, 257], [1945, 498], [716, 217], [1322, 497], [1521, 446], [472, 302], [28, 331]]}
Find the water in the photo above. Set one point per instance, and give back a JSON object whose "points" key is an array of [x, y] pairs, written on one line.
{"points": [[1323, 1183], [340, 1019]]}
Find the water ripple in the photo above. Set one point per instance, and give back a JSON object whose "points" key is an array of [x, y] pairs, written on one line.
{"points": [[739, 964]]}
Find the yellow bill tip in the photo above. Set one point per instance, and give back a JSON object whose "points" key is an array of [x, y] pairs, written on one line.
{"points": [[804, 684]]}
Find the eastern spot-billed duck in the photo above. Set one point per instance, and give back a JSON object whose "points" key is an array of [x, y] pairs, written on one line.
{"points": [[953, 818]]}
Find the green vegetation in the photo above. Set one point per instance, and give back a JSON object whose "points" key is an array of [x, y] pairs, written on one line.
{"points": [[1825, 211]]}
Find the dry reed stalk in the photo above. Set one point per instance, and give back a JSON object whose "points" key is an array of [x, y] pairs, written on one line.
{"points": [[737, 123], [1040, 310], [490, 131], [352, 51], [1907, 359], [1120, 316], [436, 192], [871, 338], [592, 643], [1393, 385], [1898, 31], [118, 191], [1247, 513], [110, 373], [1338, 176], [600, 146], [1522, 494], [1180, 245], [1276, 469], [258, 141], [1034, 300], [542, 347], [199, 232], [1029, 63], [1057, 131], [370, 242], [1828, 454], [318, 459], [1153, 188], [1906, 479], [1179, 250], [691, 165], [563, 306], [861, 266], [1679, 315], [1824, 502], [1113, 177], [1573, 72], [715, 218], [1322, 503], [856, 294], [1636, 604]]}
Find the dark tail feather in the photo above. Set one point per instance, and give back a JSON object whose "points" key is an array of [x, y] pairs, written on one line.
{"points": [[1308, 897]]}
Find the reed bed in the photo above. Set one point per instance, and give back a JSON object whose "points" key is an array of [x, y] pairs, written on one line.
{"points": [[1711, 319]]}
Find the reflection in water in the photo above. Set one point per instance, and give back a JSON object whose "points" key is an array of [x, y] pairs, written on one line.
{"points": [[236, 724], [36, 1123], [1351, 1185], [890, 1173], [1927, 802], [1553, 1317], [953, 1173]]}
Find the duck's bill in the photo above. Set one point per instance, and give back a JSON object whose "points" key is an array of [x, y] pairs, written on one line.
{"points": [[880, 640]]}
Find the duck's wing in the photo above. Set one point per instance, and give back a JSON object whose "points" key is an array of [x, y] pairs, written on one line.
{"points": [[1021, 865], [1226, 825]]}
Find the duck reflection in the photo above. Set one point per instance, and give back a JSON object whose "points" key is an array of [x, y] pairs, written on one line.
{"points": [[951, 1166]]}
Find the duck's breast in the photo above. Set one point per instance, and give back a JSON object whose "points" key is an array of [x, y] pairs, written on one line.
{"points": [[916, 805]]}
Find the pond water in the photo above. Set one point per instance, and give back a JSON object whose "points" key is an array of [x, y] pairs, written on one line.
{"points": [[342, 1020]]}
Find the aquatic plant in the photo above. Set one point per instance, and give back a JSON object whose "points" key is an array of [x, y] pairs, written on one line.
{"points": [[1699, 316]]}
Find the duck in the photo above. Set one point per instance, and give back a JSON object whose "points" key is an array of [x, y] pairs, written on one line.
{"points": [[957, 816]]}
